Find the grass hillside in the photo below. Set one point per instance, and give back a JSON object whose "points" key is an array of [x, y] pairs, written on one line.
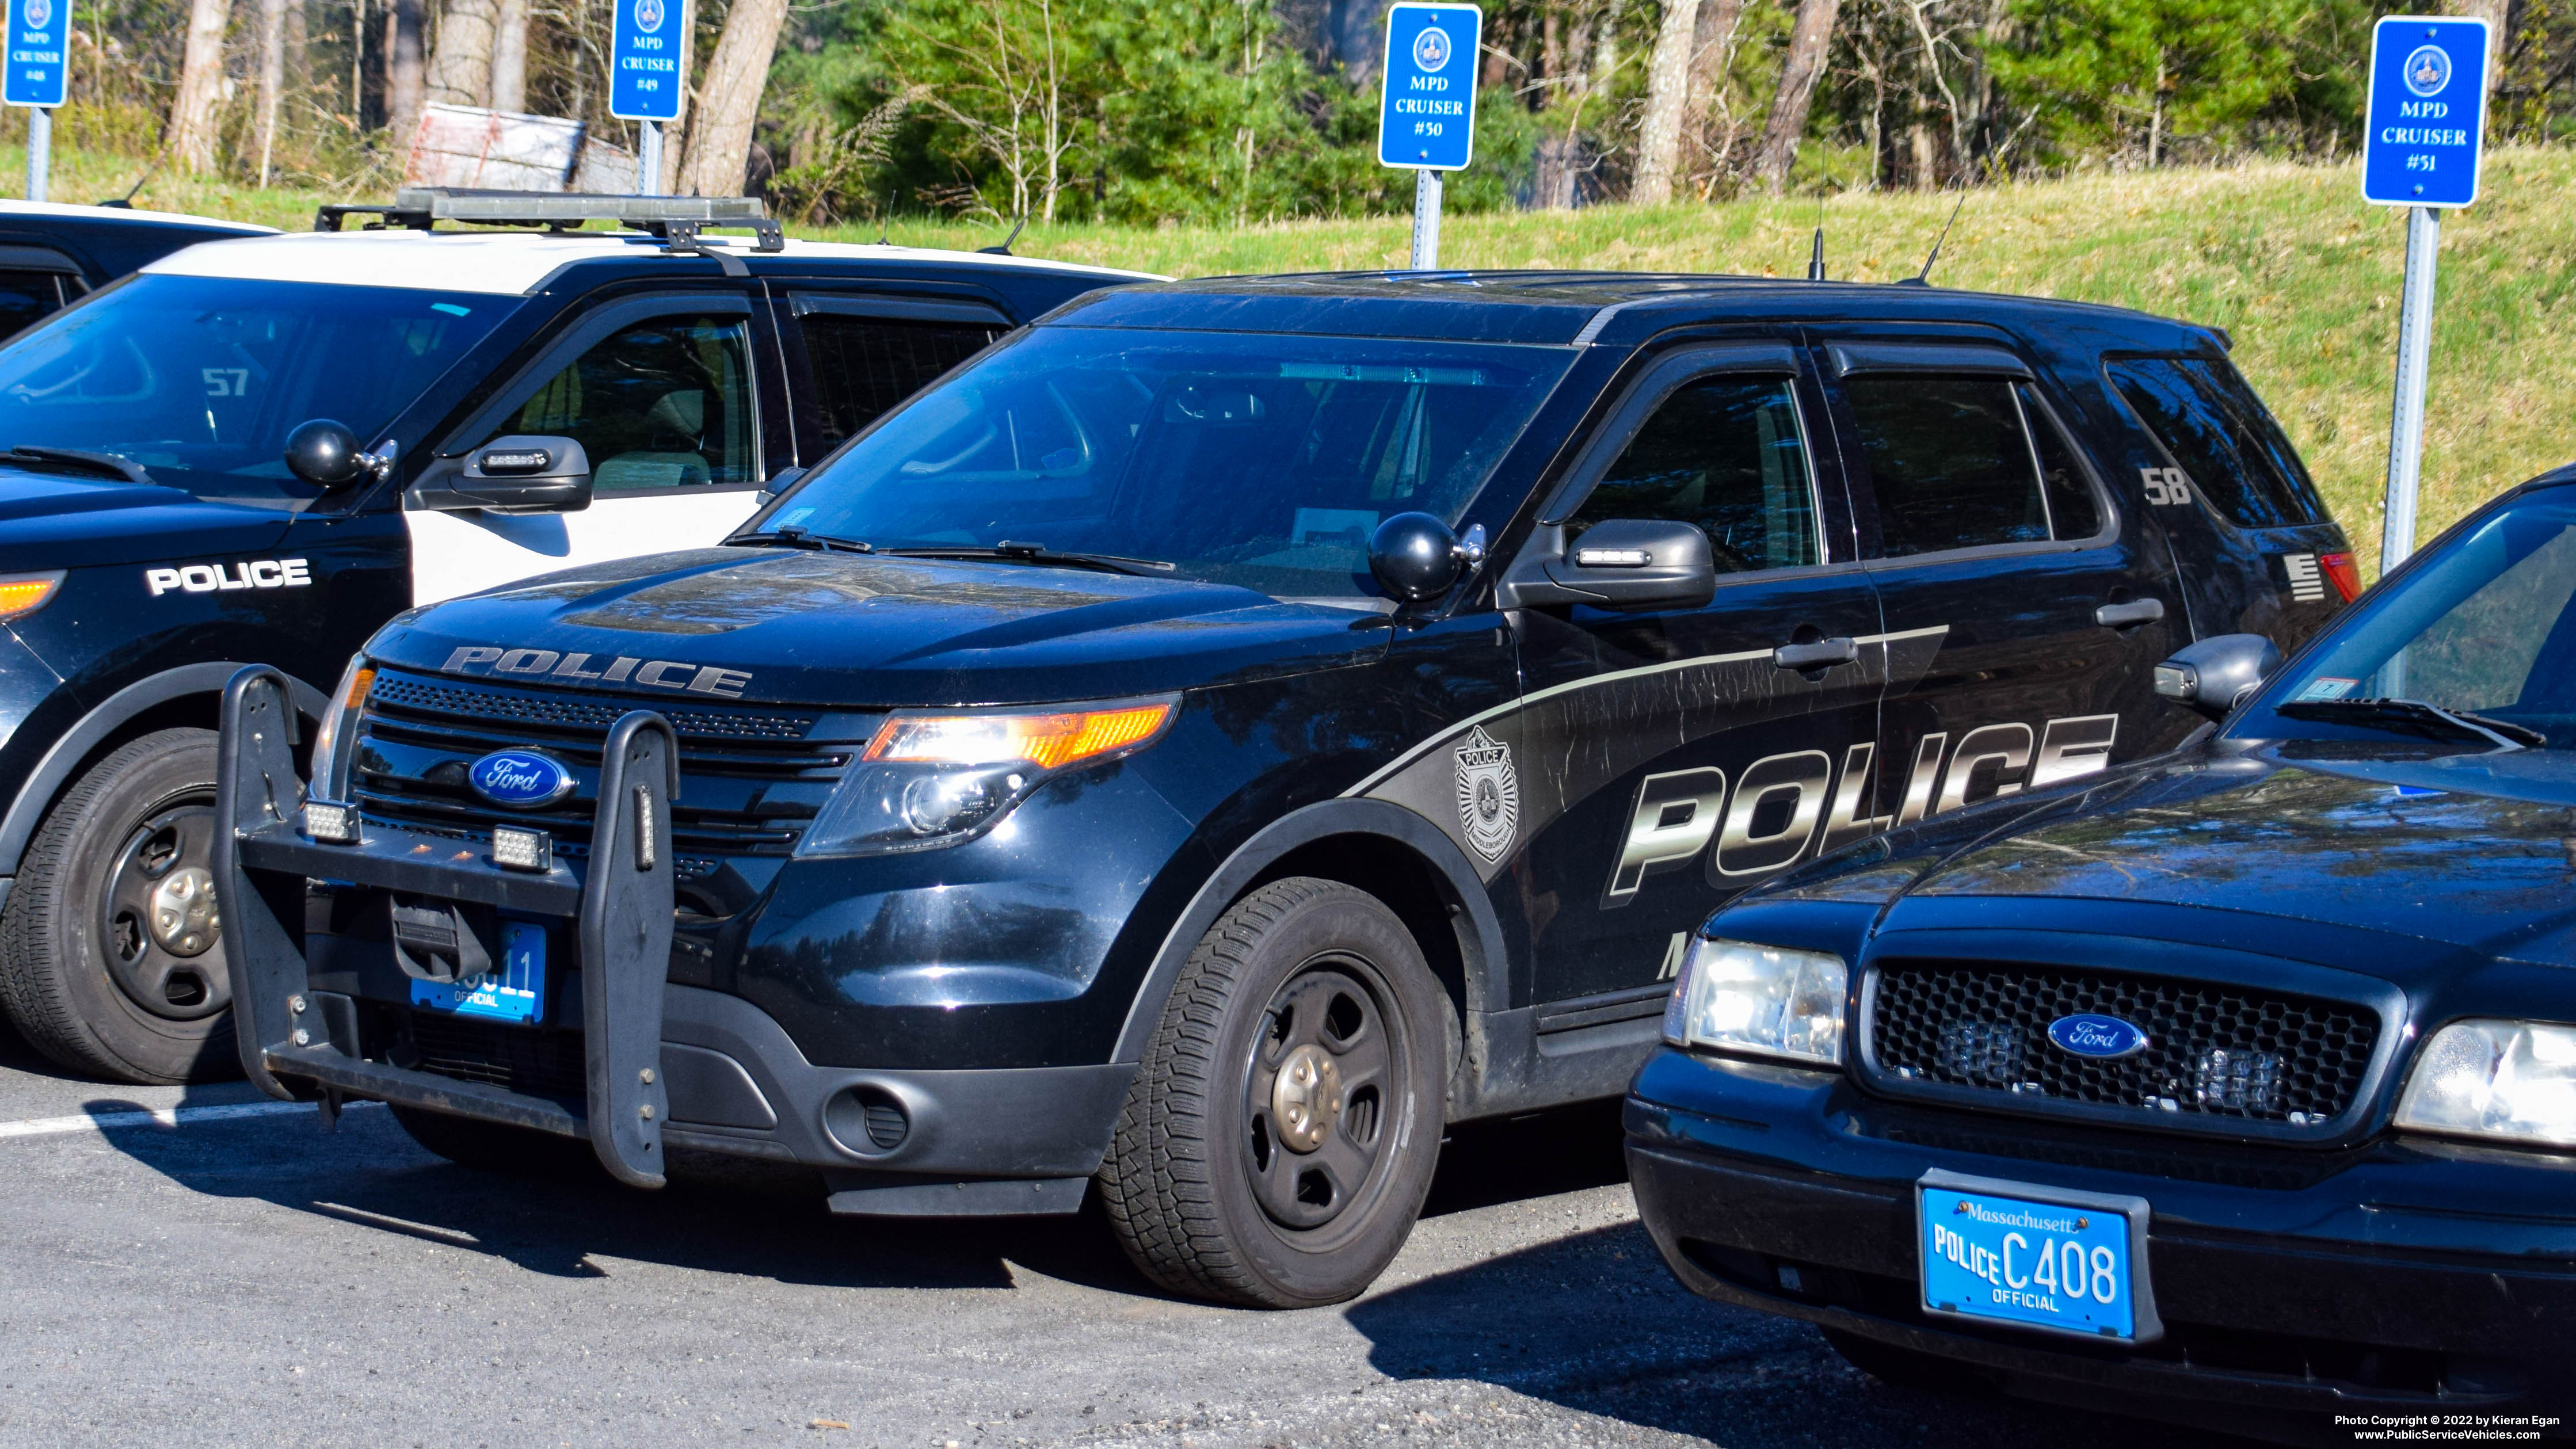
{"points": [[2287, 258]]}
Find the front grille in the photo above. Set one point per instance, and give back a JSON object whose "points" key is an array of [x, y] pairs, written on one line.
{"points": [[531, 1062], [751, 779], [2214, 1051]]}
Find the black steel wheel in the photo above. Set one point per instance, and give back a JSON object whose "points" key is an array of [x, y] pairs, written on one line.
{"points": [[1280, 1136]]}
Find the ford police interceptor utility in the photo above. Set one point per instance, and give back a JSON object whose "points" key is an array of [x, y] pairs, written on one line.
{"points": [[1234, 728], [158, 531], [52, 255]]}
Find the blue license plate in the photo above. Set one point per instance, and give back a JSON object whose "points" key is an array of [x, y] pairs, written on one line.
{"points": [[514, 990], [2035, 1259]]}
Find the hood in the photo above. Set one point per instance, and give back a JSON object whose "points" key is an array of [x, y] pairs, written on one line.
{"points": [[51, 520], [848, 629], [2475, 851]]}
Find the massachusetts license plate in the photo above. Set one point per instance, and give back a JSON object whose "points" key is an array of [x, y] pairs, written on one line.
{"points": [[513, 990], [2002, 1253]]}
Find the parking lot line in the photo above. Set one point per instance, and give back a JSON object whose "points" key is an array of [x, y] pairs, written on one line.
{"points": [[152, 1117]]}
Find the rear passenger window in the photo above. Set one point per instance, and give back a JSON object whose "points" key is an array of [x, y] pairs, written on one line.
{"points": [[2217, 431], [27, 297], [1966, 462], [863, 366], [1724, 453]]}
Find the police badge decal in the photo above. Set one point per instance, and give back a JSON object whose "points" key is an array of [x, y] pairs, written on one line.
{"points": [[1489, 794]]}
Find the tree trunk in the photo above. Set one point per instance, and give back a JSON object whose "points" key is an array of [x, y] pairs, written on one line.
{"points": [[272, 78], [1659, 134], [402, 71], [2498, 14], [460, 69], [729, 99], [1712, 45], [510, 57], [1808, 38], [191, 139]]}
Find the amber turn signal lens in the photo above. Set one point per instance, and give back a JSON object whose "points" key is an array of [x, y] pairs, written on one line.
{"points": [[1049, 741], [26, 593]]}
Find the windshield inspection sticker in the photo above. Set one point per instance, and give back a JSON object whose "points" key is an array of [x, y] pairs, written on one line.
{"points": [[2326, 686], [258, 573]]}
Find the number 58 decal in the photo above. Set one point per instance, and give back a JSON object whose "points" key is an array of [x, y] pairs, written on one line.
{"points": [[2166, 485]]}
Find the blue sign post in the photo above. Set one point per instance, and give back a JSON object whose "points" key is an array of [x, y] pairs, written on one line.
{"points": [[40, 36], [1426, 119], [2420, 149], [648, 59]]}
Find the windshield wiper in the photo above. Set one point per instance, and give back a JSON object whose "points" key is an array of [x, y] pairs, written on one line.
{"points": [[1038, 553], [2414, 717], [795, 537], [106, 465]]}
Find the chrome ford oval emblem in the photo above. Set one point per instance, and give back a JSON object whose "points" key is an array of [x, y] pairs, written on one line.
{"points": [[2087, 1035], [519, 779]]}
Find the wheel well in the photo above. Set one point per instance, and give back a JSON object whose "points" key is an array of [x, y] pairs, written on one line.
{"points": [[1409, 885]]}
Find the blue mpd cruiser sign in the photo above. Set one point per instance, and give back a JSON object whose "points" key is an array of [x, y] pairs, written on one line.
{"points": [[1427, 118], [2421, 145], [40, 33], [646, 48]]}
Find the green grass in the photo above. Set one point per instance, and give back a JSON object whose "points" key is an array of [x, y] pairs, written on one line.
{"points": [[2286, 257]]}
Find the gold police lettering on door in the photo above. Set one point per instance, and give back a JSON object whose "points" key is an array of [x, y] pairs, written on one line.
{"points": [[549, 665], [258, 573]]}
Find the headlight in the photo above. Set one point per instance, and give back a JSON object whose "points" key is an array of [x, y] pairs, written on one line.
{"points": [[933, 780], [24, 594], [335, 743], [2514, 1080], [1739, 996]]}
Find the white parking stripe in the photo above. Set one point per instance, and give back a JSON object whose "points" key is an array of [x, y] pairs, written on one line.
{"points": [[155, 1117]]}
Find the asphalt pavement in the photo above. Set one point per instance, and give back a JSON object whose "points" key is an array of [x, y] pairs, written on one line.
{"points": [[186, 1267]]}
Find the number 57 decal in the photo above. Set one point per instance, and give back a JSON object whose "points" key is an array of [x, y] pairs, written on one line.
{"points": [[2166, 485], [226, 381]]}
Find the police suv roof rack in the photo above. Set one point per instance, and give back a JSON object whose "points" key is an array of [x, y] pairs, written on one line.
{"points": [[677, 220]]}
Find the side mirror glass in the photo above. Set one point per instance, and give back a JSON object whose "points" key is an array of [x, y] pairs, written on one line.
{"points": [[519, 474], [324, 452], [2215, 674], [1415, 556]]}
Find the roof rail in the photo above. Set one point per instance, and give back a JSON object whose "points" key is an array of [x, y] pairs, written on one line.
{"points": [[675, 219]]}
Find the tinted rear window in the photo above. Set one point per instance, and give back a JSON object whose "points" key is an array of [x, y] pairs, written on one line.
{"points": [[2218, 432]]}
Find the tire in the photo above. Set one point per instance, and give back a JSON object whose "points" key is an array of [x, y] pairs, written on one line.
{"points": [[1246, 1169], [109, 959], [498, 1147], [1907, 1368]]}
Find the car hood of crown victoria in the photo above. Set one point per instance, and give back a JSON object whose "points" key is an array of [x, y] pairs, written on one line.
{"points": [[850, 629], [61, 519], [2470, 850]]}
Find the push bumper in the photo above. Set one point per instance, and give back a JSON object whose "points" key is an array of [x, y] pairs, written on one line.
{"points": [[656, 1063], [2390, 1280]]}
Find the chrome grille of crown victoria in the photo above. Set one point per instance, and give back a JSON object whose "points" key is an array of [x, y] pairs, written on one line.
{"points": [[752, 777], [2217, 1053]]}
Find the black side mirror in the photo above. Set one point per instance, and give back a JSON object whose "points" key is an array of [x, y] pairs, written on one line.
{"points": [[519, 474], [1415, 556], [325, 453], [1623, 563], [2215, 674]]}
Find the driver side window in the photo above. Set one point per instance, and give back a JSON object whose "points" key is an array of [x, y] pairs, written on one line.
{"points": [[665, 403], [1724, 453]]}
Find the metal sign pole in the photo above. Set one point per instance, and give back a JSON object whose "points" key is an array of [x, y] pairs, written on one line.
{"points": [[1426, 221], [2414, 360], [648, 159], [40, 151]]}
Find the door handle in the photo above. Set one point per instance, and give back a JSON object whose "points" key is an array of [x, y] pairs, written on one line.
{"points": [[2129, 615], [1819, 655]]}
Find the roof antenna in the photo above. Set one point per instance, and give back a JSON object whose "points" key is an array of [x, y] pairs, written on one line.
{"points": [[1816, 254], [126, 202], [1004, 249], [1923, 278]]}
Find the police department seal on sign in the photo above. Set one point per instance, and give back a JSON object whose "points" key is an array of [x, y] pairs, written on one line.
{"points": [[2428, 70], [39, 14], [1431, 48], [648, 15], [1489, 794]]}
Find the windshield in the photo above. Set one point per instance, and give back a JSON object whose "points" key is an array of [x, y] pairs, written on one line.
{"points": [[1254, 459], [200, 379], [2485, 631]]}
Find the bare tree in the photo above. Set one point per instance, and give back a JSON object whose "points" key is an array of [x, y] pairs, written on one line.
{"points": [[729, 99], [1808, 38], [1013, 109], [1659, 133], [510, 56], [403, 64], [460, 68], [191, 138], [272, 78]]}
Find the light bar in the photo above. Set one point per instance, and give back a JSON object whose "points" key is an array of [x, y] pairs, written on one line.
{"points": [[517, 849], [331, 822], [448, 203]]}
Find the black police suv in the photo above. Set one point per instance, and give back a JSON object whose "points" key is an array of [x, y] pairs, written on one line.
{"points": [[2241, 1081], [1232, 729], [52, 255], [156, 534]]}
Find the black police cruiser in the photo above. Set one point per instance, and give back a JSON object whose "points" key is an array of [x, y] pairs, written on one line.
{"points": [[52, 255], [158, 531], [1233, 729], [2242, 1081]]}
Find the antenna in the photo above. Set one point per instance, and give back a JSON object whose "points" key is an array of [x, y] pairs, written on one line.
{"points": [[1923, 278], [1004, 249], [1816, 254], [126, 202]]}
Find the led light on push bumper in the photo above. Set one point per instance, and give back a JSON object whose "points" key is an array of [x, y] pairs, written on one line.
{"points": [[932, 780], [24, 594], [331, 822], [516, 849], [1739, 996], [2511, 1080]]}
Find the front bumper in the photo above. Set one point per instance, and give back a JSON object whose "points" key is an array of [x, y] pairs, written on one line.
{"points": [[2393, 1279], [652, 1062]]}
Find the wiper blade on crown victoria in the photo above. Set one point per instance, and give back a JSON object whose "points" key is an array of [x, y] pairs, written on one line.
{"points": [[2414, 716], [1038, 553], [107, 465], [795, 537]]}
